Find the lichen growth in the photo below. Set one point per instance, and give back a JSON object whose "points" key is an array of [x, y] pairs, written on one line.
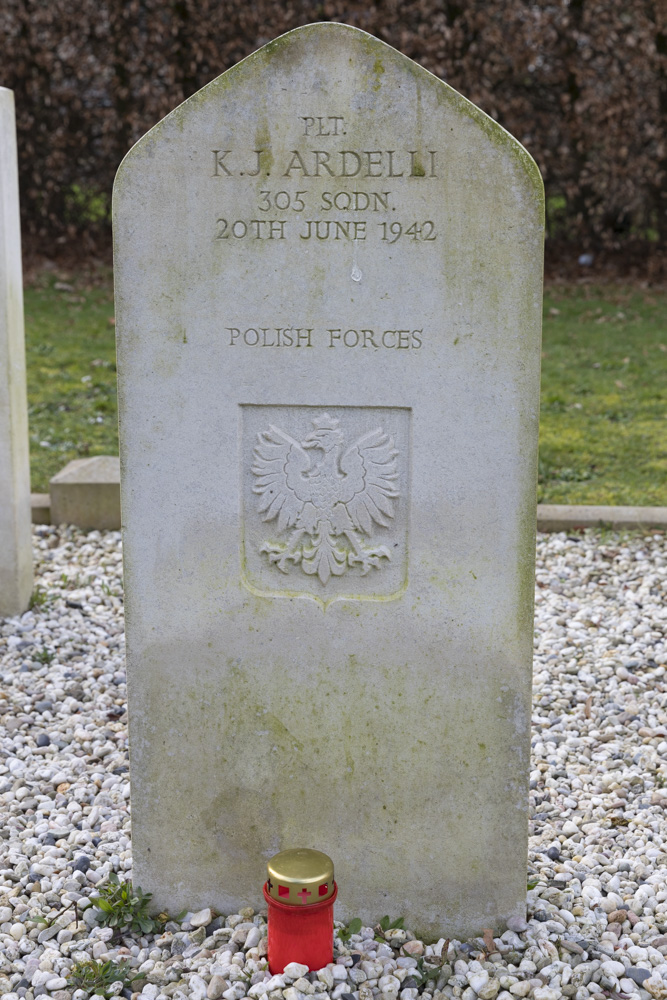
{"points": [[378, 70]]}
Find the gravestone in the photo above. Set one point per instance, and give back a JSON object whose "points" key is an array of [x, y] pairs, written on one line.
{"points": [[15, 537], [328, 295]]}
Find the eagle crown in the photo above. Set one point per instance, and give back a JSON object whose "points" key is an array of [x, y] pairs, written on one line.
{"points": [[326, 438]]}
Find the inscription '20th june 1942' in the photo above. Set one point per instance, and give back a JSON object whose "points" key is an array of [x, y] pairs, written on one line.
{"points": [[310, 164]]}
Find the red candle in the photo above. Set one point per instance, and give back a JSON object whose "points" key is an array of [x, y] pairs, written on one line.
{"points": [[300, 893]]}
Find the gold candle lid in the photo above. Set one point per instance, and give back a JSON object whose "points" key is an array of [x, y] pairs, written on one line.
{"points": [[300, 877]]}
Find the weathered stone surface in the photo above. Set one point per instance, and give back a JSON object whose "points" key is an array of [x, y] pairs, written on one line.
{"points": [[15, 539], [87, 493], [328, 305]]}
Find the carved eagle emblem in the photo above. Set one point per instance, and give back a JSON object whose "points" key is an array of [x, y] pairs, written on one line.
{"points": [[326, 496]]}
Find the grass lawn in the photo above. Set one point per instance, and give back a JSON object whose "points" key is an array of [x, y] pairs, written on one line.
{"points": [[603, 421], [603, 434], [71, 362]]}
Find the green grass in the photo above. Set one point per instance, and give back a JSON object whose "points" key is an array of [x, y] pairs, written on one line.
{"points": [[603, 435], [603, 423], [71, 361]]}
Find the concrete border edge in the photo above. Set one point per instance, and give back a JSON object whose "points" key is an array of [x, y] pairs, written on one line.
{"points": [[565, 517], [550, 517]]}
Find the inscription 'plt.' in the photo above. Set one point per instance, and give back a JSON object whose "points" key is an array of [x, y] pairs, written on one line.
{"points": [[328, 502]]}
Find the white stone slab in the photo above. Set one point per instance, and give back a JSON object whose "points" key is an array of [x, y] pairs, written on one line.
{"points": [[87, 493], [328, 292], [15, 518]]}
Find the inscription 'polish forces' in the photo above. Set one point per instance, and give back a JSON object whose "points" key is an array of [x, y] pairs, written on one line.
{"points": [[330, 501], [296, 336]]}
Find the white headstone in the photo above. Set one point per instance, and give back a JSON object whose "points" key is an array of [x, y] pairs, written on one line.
{"points": [[328, 280], [15, 537]]}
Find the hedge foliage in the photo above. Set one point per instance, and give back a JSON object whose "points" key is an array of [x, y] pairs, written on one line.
{"points": [[582, 83]]}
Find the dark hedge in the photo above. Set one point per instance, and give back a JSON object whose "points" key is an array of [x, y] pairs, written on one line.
{"points": [[583, 84]]}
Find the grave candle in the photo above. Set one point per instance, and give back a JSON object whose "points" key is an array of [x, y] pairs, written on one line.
{"points": [[300, 893]]}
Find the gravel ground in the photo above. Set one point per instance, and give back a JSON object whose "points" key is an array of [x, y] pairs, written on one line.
{"points": [[597, 915]]}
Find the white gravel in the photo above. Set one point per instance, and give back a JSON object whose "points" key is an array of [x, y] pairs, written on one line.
{"points": [[597, 923]]}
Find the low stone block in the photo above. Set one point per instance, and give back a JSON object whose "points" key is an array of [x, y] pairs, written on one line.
{"points": [[40, 508], [87, 493]]}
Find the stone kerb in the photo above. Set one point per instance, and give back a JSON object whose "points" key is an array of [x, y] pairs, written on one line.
{"points": [[566, 517], [16, 572], [91, 514], [87, 493], [328, 309]]}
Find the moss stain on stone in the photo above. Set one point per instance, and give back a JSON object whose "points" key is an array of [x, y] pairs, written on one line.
{"points": [[378, 70], [263, 142]]}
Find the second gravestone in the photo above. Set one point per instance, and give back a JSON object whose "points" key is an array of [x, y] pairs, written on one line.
{"points": [[328, 269], [16, 575]]}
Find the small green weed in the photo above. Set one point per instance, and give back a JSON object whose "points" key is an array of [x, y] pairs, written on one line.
{"points": [[44, 656], [246, 976], [547, 474], [39, 597], [386, 924], [532, 883], [423, 975], [120, 906], [354, 926], [97, 977]]}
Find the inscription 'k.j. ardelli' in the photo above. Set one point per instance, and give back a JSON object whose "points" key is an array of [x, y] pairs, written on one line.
{"points": [[326, 497]]}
